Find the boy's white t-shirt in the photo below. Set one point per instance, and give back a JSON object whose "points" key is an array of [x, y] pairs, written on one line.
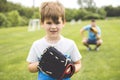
{"points": [[64, 45]]}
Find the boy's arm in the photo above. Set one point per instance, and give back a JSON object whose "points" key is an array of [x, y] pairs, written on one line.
{"points": [[32, 67], [77, 66]]}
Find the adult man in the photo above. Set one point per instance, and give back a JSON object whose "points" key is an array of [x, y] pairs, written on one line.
{"points": [[94, 35]]}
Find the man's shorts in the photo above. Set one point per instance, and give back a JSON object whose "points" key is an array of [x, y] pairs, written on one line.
{"points": [[90, 41]]}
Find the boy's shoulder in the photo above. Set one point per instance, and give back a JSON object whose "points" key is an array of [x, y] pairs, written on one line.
{"points": [[39, 41], [64, 40], [68, 41]]}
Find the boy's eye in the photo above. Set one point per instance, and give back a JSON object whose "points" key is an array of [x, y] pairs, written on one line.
{"points": [[49, 22], [57, 23], [52, 23]]}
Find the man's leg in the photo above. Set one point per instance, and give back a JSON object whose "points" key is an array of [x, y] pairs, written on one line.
{"points": [[98, 44], [85, 42]]}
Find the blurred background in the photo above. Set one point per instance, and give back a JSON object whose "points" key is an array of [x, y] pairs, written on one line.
{"points": [[20, 27], [19, 12]]}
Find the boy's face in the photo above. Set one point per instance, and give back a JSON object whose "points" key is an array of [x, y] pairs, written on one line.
{"points": [[53, 29]]}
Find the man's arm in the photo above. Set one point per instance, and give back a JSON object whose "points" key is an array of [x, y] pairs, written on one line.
{"points": [[32, 67], [98, 36], [77, 66], [96, 32], [82, 33]]}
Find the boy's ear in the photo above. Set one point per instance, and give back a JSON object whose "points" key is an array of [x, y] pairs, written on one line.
{"points": [[41, 23], [64, 23]]}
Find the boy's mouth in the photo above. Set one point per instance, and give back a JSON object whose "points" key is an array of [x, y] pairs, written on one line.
{"points": [[53, 31]]}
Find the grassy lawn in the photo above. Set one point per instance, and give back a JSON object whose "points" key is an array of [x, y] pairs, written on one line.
{"points": [[102, 65]]}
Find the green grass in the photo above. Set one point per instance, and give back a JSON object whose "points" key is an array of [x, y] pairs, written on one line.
{"points": [[102, 65]]}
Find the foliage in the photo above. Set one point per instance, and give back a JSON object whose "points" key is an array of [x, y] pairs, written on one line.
{"points": [[21, 14], [3, 21], [112, 11], [26, 12], [84, 14], [92, 16], [86, 4], [36, 15], [6, 6], [102, 12], [15, 18], [70, 14]]}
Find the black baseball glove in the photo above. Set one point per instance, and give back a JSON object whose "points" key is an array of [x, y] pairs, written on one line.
{"points": [[55, 64]]}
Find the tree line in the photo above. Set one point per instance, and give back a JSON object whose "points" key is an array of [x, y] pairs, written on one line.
{"points": [[14, 14]]}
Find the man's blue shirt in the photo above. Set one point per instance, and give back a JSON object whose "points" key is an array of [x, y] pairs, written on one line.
{"points": [[91, 35]]}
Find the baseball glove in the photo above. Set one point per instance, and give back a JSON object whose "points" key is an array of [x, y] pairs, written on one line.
{"points": [[94, 30], [55, 64]]}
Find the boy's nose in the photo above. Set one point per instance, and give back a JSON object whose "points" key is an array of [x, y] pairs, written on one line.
{"points": [[53, 26]]}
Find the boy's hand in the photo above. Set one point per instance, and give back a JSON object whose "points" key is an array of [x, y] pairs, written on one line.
{"points": [[77, 65], [68, 70], [33, 67]]}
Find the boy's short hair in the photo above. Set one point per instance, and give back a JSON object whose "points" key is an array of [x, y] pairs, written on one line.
{"points": [[52, 10]]}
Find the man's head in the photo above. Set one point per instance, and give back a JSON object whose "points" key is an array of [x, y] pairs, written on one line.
{"points": [[93, 23], [52, 17]]}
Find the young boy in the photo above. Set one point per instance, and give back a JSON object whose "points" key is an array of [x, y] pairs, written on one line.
{"points": [[94, 35], [52, 20]]}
